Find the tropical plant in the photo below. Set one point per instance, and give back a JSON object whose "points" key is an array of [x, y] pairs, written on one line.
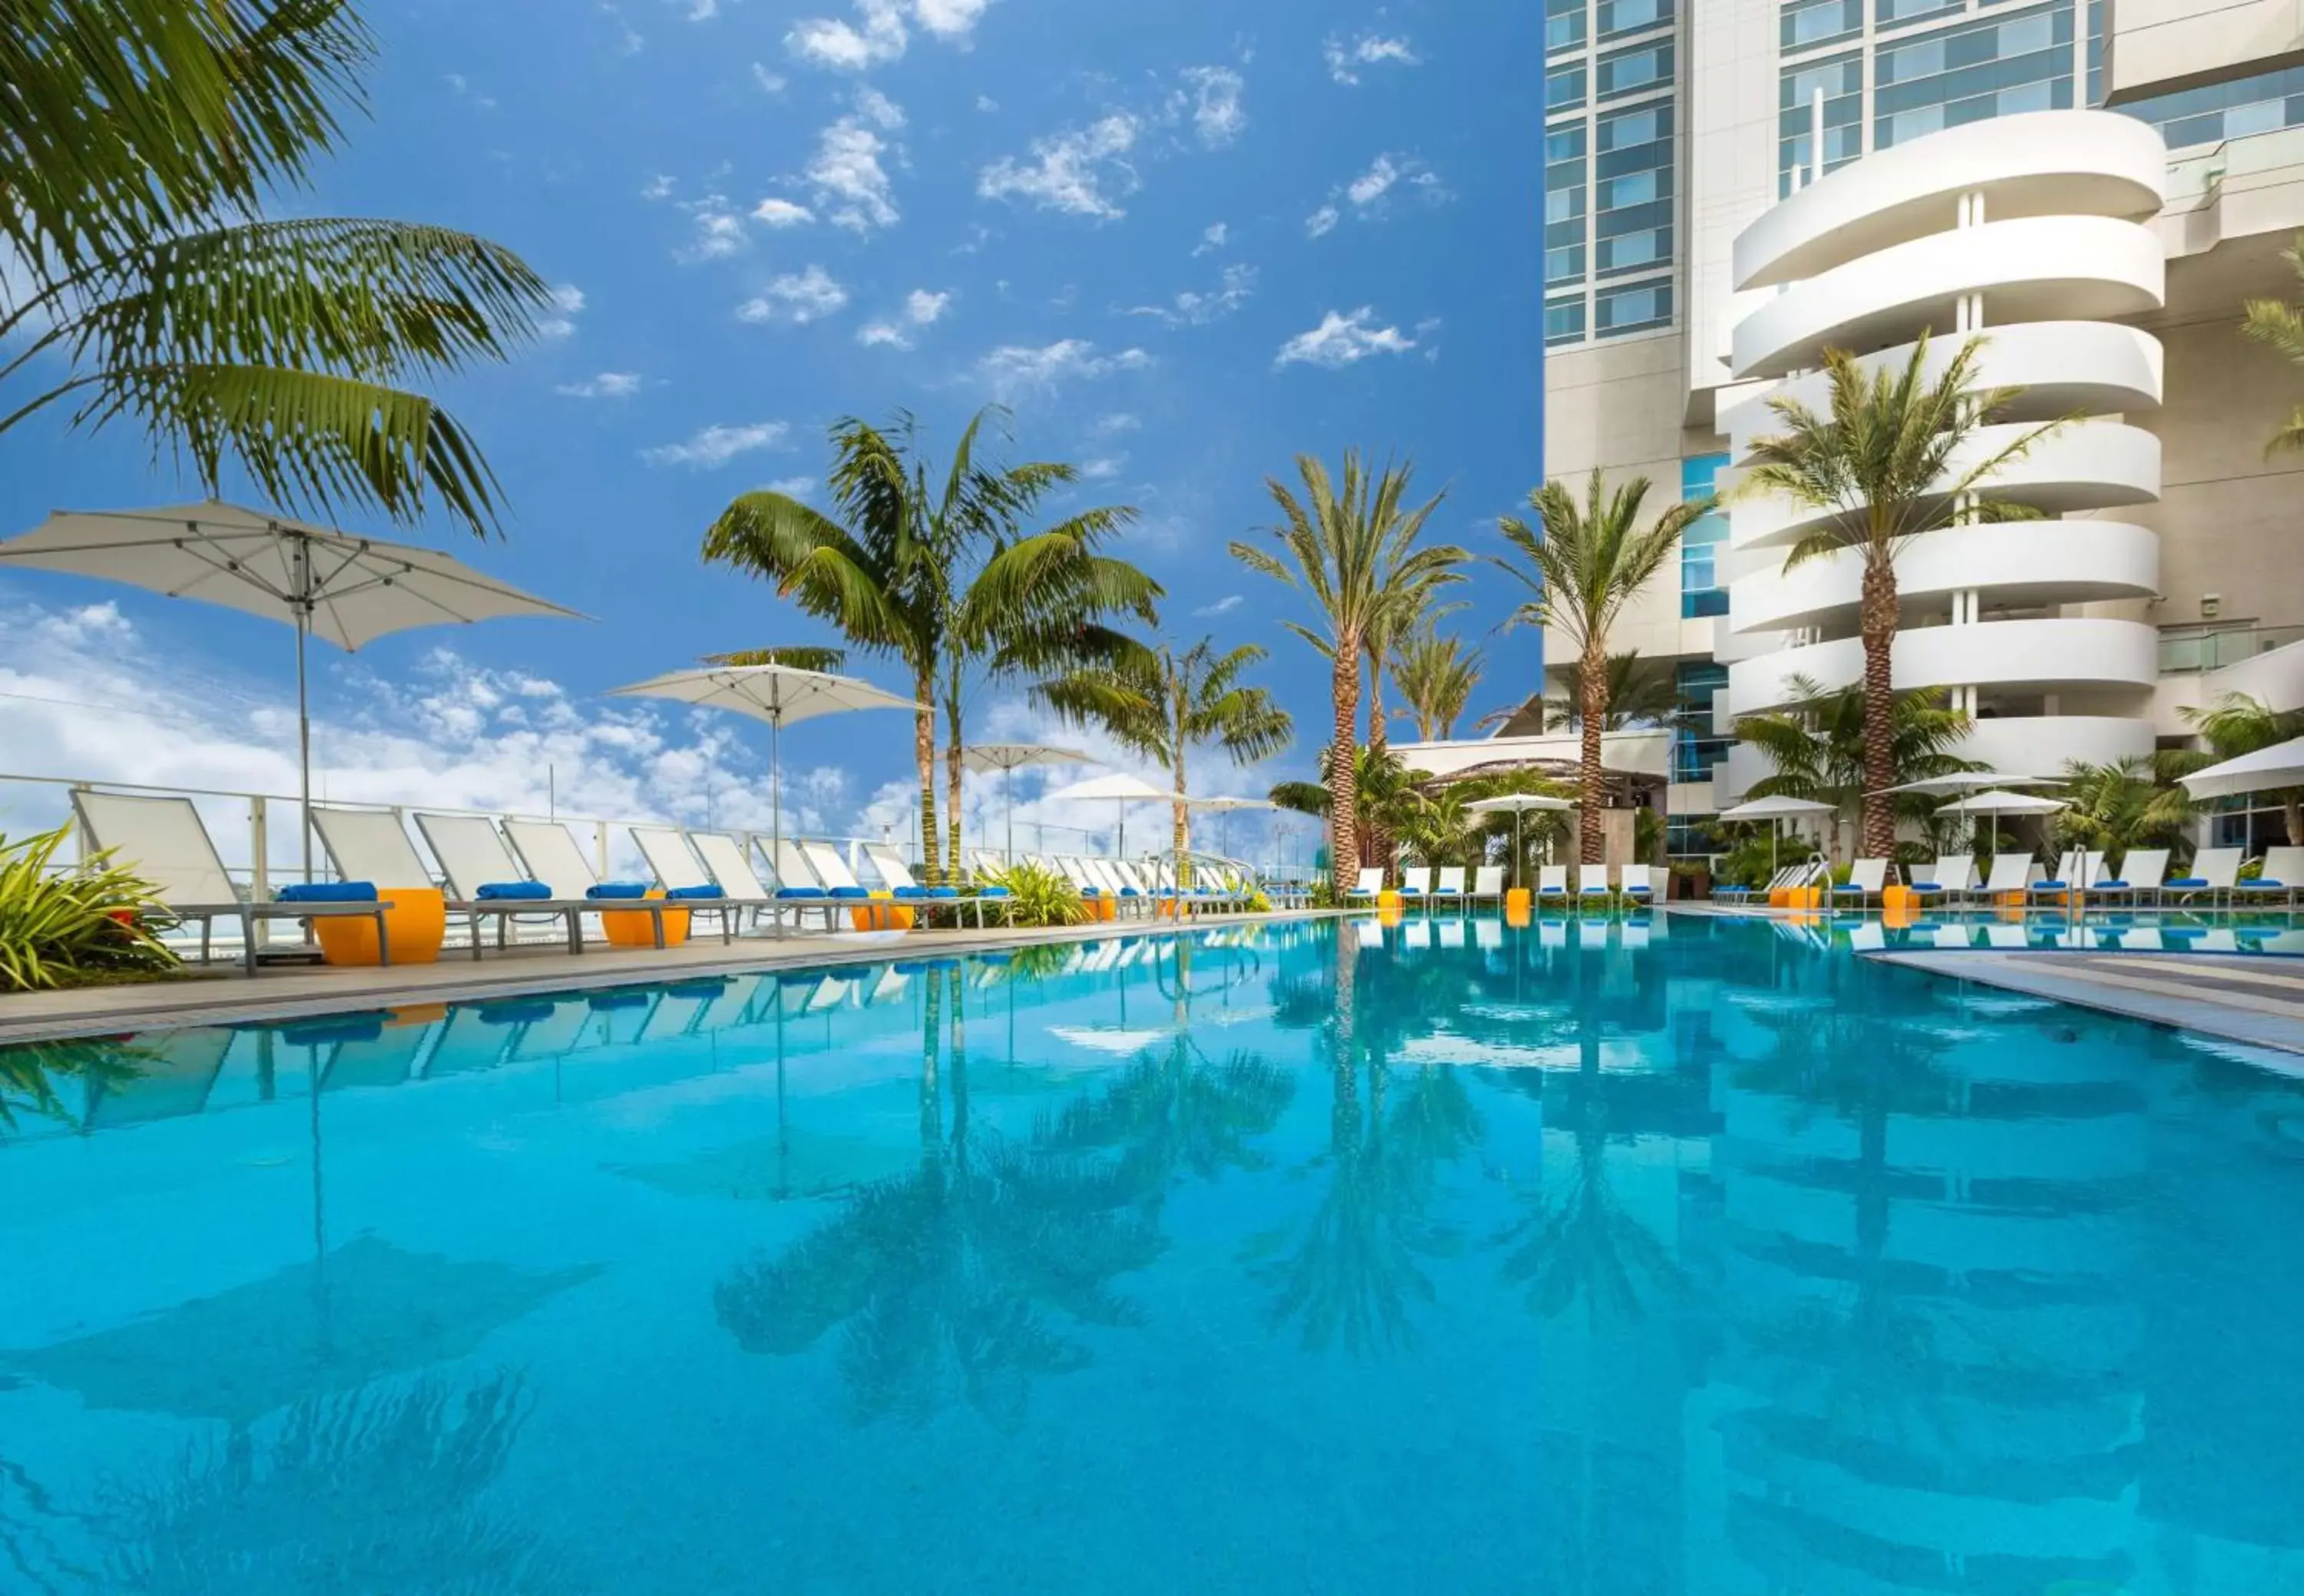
{"points": [[30, 1073], [938, 577], [2114, 807], [1435, 827], [2280, 325], [1822, 752], [1639, 694], [58, 929], [1436, 676], [1889, 459], [1163, 704], [1388, 794], [139, 142], [1038, 897], [1352, 546], [2234, 725], [800, 657], [1584, 565]]}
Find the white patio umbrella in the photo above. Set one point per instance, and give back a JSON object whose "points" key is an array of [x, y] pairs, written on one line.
{"points": [[2001, 803], [779, 694], [1220, 807], [2266, 770], [1963, 783], [1778, 810], [342, 589], [1517, 805], [1121, 789], [1008, 758]]}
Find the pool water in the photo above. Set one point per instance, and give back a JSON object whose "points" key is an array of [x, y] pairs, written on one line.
{"points": [[1669, 1256]]}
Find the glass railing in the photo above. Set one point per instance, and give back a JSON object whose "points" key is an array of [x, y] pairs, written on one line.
{"points": [[2215, 650]]}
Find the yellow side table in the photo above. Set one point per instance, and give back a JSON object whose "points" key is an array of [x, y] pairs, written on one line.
{"points": [[1516, 902], [1387, 901]]}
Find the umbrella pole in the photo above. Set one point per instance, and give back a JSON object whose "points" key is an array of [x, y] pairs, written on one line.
{"points": [[776, 810], [303, 741], [1008, 791]]}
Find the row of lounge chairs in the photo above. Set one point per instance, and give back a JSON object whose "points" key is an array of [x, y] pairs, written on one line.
{"points": [[2214, 878], [1634, 883]]}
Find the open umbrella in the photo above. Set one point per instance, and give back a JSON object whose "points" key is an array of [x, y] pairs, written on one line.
{"points": [[1516, 804], [344, 589], [778, 694], [1008, 758], [1778, 809], [1221, 807], [1121, 789], [2001, 803], [1963, 783], [2266, 770]]}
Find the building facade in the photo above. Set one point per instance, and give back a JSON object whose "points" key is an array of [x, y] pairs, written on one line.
{"points": [[1733, 185]]}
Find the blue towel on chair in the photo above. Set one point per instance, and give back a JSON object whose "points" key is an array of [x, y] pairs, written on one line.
{"points": [[2049, 887], [706, 893], [618, 890], [327, 892], [851, 892], [2189, 881], [2261, 885], [801, 892], [495, 892]]}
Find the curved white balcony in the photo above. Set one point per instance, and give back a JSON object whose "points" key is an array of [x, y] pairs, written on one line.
{"points": [[2019, 745], [2054, 655], [2057, 368], [2086, 466], [2034, 268], [2043, 163], [2020, 564]]}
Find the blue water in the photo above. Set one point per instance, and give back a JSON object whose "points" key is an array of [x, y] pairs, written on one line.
{"points": [[1655, 1258]]}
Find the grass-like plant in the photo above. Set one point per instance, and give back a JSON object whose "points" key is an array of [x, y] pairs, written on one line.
{"points": [[1040, 898], [58, 930]]}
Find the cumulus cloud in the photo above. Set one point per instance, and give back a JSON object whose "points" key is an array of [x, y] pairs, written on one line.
{"points": [[719, 230], [796, 298], [923, 309], [1371, 195], [794, 486], [782, 213], [881, 31], [1342, 339], [770, 83], [1370, 49], [849, 177], [876, 108], [1215, 93], [1322, 222], [716, 445], [607, 385], [659, 187], [1070, 172], [920, 309], [1195, 309], [1103, 469], [1214, 238], [1016, 368], [559, 320]]}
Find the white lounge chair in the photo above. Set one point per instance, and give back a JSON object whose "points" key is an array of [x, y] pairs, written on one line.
{"points": [[1450, 883], [1415, 885], [730, 866], [2215, 872], [1369, 885], [368, 844], [1955, 874], [1488, 884], [680, 870], [1637, 883], [2142, 872], [1868, 878], [1552, 884], [554, 858], [897, 876], [1592, 884], [165, 841], [2281, 876], [2068, 877], [479, 868], [2011, 872]]}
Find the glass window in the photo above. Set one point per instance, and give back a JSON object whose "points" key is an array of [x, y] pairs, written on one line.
{"points": [[1564, 265], [1621, 129], [1563, 205], [1629, 251], [1695, 750], [1619, 17], [2224, 111], [1998, 67], [1892, 13], [1631, 308], [1628, 71], [1636, 187], [1563, 25], [1564, 320], [1807, 23], [1563, 144], [1700, 592], [1563, 86], [1841, 82]]}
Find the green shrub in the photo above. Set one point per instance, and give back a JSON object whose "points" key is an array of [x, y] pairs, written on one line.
{"points": [[57, 930], [1038, 897]]}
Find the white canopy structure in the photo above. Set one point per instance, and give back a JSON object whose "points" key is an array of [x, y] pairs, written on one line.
{"points": [[2267, 769]]}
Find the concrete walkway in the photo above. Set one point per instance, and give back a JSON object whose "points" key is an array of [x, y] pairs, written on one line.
{"points": [[2259, 1001], [222, 995]]}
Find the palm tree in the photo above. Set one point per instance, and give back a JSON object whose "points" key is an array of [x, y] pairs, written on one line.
{"points": [[2235, 725], [800, 657], [1821, 748], [2114, 807], [1584, 566], [1352, 546], [137, 144], [938, 577], [1885, 463], [2280, 325], [1382, 783], [1436, 676], [1162, 704], [1639, 694]]}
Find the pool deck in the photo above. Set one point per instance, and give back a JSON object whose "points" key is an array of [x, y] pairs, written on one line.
{"points": [[221, 995], [2259, 1001]]}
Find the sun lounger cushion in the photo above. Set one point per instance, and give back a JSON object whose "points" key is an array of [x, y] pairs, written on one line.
{"points": [[327, 892], [2261, 885], [492, 892], [2189, 881], [992, 892], [618, 890], [2050, 886], [851, 892], [706, 893]]}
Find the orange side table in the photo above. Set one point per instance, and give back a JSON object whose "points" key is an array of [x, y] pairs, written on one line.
{"points": [[414, 924], [632, 929]]}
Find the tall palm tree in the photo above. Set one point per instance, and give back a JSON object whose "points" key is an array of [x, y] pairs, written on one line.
{"points": [[1436, 676], [1885, 463], [1352, 546], [1821, 748], [2280, 325], [139, 142], [1639, 694], [2234, 725], [1584, 565], [1163, 704], [931, 574], [1383, 786], [2114, 807]]}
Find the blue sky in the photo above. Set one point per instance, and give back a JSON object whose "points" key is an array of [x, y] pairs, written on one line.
{"points": [[1184, 242]]}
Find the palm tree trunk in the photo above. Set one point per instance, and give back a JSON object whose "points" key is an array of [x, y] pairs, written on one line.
{"points": [[924, 756], [1183, 829], [951, 759], [1592, 715], [2291, 808], [1380, 840], [1343, 777], [1877, 617]]}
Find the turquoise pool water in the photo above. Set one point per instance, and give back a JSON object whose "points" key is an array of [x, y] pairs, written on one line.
{"points": [[1667, 1258]]}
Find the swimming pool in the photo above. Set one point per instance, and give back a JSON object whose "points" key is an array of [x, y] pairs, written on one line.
{"points": [[1671, 1256]]}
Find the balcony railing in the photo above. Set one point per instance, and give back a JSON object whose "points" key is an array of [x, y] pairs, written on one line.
{"points": [[2215, 650]]}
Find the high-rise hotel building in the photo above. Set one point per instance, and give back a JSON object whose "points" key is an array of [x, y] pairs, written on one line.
{"points": [[1732, 186]]}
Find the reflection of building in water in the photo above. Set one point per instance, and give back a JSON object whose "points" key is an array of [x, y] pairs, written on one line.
{"points": [[1931, 1380]]}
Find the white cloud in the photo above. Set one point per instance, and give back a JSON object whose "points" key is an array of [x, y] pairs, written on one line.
{"points": [[848, 176], [1117, 422], [560, 321], [459, 86], [716, 445], [700, 11], [607, 385], [882, 32], [1370, 49], [1322, 222], [1224, 605], [1070, 172], [794, 486], [1374, 183], [923, 309], [1370, 196], [1216, 236], [798, 298], [882, 335], [1217, 114], [949, 19], [1193, 309], [719, 230], [1019, 369], [987, 104], [770, 83], [659, 187], [1103, 469], [782, 213], [1343, 341], [876, 107]]}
